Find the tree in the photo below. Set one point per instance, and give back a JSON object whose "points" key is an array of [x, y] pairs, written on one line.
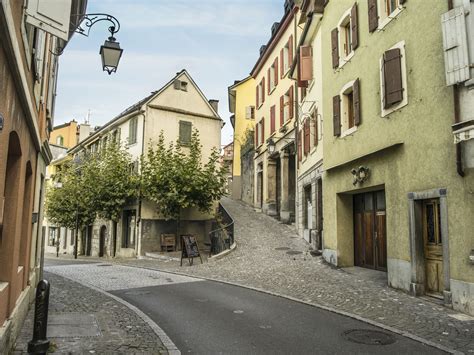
{"points": [[174, 177], [112, 176]]}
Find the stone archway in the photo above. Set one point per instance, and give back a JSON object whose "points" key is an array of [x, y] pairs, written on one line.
{"points": [[102, 235]]}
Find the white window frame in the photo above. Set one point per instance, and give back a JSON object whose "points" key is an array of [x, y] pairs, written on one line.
{"points": [[384, 18], [286, 53], [286, 107], [260, 93], [341, 27], [404, 102], [272, 78], [250, 112], [345, 130]]}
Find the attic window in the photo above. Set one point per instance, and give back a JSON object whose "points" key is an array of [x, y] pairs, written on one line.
{"points": [[180, 85]]}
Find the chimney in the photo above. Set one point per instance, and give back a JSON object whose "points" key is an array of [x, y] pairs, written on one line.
{"points": [[84, 131], [215, 105]]}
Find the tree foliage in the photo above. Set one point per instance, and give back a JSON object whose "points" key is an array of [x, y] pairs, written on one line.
{"points": [[174, 177], [97, 186]]}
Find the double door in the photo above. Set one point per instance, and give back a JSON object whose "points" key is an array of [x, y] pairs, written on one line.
{"points": [[370, 239]]}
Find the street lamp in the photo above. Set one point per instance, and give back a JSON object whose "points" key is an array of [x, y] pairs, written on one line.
{"points": [[110, 53], [271, 146]]}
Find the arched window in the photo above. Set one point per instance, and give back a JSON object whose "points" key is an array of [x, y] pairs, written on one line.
{"points": [[60, 140]]}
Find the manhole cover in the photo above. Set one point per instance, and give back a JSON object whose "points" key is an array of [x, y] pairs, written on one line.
{"points": [[104, 265], [282, 248], [368, 337], [294, 252]]}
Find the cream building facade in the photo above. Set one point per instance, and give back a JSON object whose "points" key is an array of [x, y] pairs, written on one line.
{"points": [[175, 109], [275, 101]]}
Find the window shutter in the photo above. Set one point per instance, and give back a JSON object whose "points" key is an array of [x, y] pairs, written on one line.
{"points": [[248, 112], [392, 76], [315, 125], [455, 45], [306, 128], [335, 48], [290, 51], [263, 90], [373, 16], [268, 84], [336, 115], [177, 84], [300, 153], [356, 98], [51, 16], [256, 96], [272, 119], [262, 136], [282, 110], [276, 71], [291, 109], [354, 27], [306, 63], [282, 63], [256, 134]]}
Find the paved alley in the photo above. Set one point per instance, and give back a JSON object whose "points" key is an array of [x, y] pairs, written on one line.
{"points": [[270, 256]]}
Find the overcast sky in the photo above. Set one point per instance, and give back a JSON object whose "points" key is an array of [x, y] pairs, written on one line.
{"points": [[216, 41]]}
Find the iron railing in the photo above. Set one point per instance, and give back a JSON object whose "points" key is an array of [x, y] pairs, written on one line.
{"points": [[223, 237]]}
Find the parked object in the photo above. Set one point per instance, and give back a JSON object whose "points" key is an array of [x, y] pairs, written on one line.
{"points": [[39, 344]]}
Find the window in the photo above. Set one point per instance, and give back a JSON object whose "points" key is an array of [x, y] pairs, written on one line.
{"points": [[306, 136], [260, 132], [314, 128], [185, 131], [180, 85], [130, 229], [346, 109], [250, 112], [52, 236], [345, 38], [260, 99], [73, 239], [272, 119], [286, 106], [132, 130], [273, 76], [60, 140], [393, 80], [381, 12]]}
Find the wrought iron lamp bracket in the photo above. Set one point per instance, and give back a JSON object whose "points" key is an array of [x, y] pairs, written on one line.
{"points": [[89, 20]]}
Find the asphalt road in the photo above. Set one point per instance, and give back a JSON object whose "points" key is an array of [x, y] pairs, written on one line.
{"points": [[204, 317], [208, 318]]}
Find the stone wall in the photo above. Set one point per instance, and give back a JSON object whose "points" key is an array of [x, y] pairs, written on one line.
{"points": [[247, 176]]}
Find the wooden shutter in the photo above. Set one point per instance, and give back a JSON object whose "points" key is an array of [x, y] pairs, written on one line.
{"points": [[256, 96], [354, 27], [272, 119], [336, 115], [300, 153], [290, 51], [269, 83], [263, 90], [262, 137], [307, 132], [392, 77], [356, 100], [335, 48], [282, 63], [315, 126], [275, 65], [256, 134], [291, 110], [282, 110], [373, 16], [306, 63]]}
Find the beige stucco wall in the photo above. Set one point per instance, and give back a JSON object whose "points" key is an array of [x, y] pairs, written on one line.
{"points": [[426, 157], [69, 133]]}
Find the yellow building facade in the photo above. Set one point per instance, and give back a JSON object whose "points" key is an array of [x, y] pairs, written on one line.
{"points": [[64, 135], [242, 106]]}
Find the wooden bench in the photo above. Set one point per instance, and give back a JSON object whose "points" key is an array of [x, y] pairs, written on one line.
{"points": [[168, 242]]}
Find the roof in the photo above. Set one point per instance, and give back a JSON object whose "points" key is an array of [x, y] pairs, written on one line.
{"points": [[284, 23], [230, 91], [64, 125], [136, 108]]}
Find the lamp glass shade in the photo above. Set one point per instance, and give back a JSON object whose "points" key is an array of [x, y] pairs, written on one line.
{"points": [[110, 53], [271, 146]]}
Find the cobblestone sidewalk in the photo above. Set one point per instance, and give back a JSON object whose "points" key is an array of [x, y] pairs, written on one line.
{"points": [[262, 260], [119, 329]]}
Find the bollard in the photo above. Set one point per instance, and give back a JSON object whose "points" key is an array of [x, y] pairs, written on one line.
{"points": [[39, 344]]}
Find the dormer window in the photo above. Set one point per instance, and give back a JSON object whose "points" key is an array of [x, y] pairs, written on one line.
{"points": [[180, 85]]}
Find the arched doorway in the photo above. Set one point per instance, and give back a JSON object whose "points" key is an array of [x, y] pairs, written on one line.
{"points": [[103, 231]]}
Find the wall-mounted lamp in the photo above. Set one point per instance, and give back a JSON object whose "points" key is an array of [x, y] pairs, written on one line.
{"points": [[360, 175]]}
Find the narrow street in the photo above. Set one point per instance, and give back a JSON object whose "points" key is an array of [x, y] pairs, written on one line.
{"points": [[205, 317], [271, 257]]}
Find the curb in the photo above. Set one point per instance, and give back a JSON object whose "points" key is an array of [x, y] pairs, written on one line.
{"points": [[326, 308], [167, 342], [224, 253]]}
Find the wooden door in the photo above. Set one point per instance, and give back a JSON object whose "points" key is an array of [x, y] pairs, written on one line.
{"points": [[370, 240], [433, 248]]}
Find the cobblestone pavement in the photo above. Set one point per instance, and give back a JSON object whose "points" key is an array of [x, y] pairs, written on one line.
{"points": [[120, 330], [258, 263]]}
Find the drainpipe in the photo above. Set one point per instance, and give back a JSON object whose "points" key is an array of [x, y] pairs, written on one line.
{"points": [[297, 113], [457, 117], [139, 218]]}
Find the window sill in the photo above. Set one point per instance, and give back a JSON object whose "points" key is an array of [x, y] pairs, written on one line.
{"points": [[3, 286], [345, 60], [271, 90], [387, 111], [348, 132], [389, 18], [131, 144]]}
